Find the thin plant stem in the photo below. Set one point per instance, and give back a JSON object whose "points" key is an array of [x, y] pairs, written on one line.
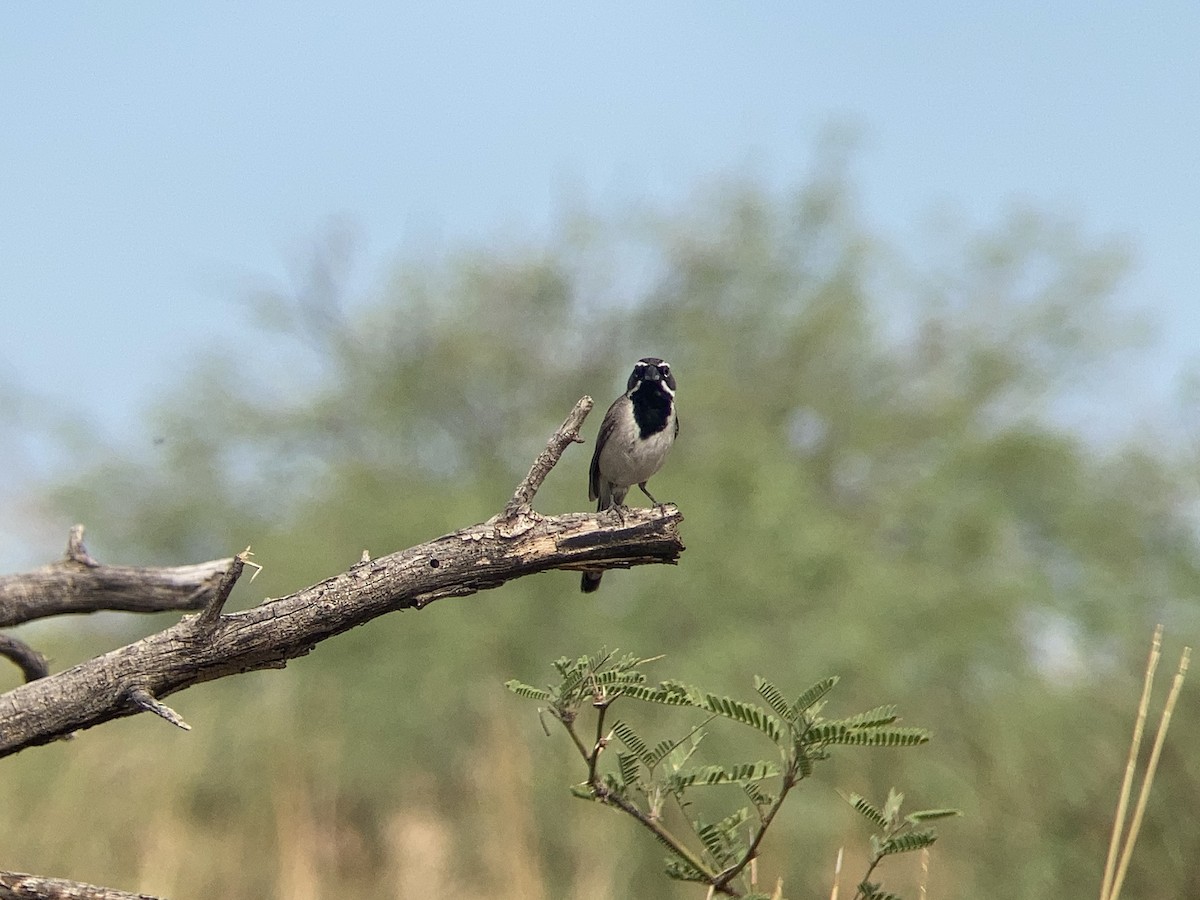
{"points": [[607, 797], [1143, 796], [594, 758], [579, 745], [1139, 724], [875, 860], [789, 782], [837, 874]]}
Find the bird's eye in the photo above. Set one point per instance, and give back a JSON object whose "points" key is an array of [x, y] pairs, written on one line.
{"points": [[665, 369]]}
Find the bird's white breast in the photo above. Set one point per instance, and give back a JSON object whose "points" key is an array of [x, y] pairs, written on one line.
{"points": [[626, 459]]}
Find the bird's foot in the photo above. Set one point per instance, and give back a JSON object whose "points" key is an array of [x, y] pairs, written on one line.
{"points": [[619, 510]]}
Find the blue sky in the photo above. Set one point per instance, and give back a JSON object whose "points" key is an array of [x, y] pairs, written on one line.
{"points": [[158, 159]]}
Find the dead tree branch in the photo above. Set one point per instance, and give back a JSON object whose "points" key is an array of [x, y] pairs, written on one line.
{"points": [[567, 434], [517, 543], [212, 609], [31, 663], [19, 886], [79, 584]]}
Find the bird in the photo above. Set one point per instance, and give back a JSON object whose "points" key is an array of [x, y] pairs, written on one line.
{"points": [[635, 436]]}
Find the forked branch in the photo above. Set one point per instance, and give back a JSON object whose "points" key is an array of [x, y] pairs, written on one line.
{"points": [[214, 644], [79, 584]]}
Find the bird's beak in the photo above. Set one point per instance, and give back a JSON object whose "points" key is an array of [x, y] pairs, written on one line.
{"points": [[652, 374]]}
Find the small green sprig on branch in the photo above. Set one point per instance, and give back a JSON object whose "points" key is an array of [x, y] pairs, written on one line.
{"points": [[895, 835], [648, 775]]}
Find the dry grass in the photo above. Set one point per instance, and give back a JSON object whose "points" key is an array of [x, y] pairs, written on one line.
{"points": [[1114, 870], [134, 806], [837, 874]]}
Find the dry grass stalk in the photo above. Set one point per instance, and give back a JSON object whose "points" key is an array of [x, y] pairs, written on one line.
{"points": [[837, 874], [1114, 842], [1114, 872], [1151, 767]]}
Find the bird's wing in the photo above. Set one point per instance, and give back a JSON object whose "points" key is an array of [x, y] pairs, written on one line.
{"points": [[606, 430]]}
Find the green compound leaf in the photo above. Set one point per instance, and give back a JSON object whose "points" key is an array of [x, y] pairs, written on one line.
{"points": [[723, 839], [928, 815], [666, 695], [526, 690], [774, 698], [661, 751], [614, 785], [758, 796], [631, 774], [616, 676], [907, 842], [868, 810], [872, 718], [633, 741], [837, 733], [812, 696], [891, 806], [746, 713], [682, 870], [709, 775]]}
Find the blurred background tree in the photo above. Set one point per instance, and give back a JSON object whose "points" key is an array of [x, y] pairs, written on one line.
{"points": [[879, 481]]}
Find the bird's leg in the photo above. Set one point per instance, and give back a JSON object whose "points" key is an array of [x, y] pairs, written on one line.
{"points": [[648, 494]]}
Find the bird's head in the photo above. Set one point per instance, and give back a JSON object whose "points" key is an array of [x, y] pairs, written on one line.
{"points": [[650, 370]]}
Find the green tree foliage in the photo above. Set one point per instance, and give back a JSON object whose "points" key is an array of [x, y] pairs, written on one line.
{"points": [[876, 481]]}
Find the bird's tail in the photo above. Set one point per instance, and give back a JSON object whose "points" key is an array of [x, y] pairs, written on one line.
{"points": [[591, 580]]}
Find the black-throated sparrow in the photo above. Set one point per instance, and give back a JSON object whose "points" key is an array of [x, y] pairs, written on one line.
{"points": [[637, 431]]}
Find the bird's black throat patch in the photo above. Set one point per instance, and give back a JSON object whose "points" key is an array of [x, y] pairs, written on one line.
{"points": [[651, 408]]}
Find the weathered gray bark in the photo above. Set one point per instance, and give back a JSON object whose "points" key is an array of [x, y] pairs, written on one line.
{"points": [[19, 886], [79, 584], [268, 635], [213, 644]]}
